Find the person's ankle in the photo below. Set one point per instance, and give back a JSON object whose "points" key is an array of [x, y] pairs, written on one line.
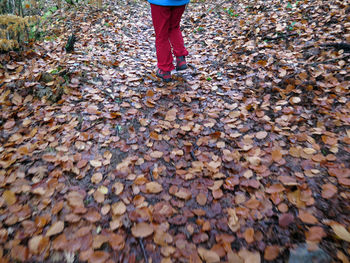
{"points": [[181, 63]]}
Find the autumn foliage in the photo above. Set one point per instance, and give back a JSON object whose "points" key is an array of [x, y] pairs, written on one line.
{"points": [[244, 157]]}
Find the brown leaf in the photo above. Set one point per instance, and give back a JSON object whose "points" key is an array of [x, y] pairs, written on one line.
{"points": [[55, 229], [142, 230], [99, 257], [153, 187], [261, 135], [92, 216], [183, 193], [249, 257], [315, 233], [208, 256], [329, 190], [117, 242], [249, 235], [285, 220], [307, 217], [271, 252], [201, 199], [118, 208], [171, 115], [156, 154], [276, 188], [276, 155], [9, 197], [252, 203], [18, 252], [38, 244]]}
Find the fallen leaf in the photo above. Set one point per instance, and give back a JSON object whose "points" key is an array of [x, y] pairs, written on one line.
{"points": [[171, 115], [96, 178], [95, 163], [208, 256], [329, 190], [153, 187], [201, 199], [156, 154], [275, 188], [341, 231], [55, 229], [249, 257], [261, 135], [183, 193], [271, 252], [249, 235], [38, 244], [142, 230], [118, 208], [315, 233], [9, 197], [307, 217], [276, 155]]}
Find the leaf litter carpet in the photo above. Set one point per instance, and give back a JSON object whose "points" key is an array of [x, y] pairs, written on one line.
{"points": [[242, 158]]}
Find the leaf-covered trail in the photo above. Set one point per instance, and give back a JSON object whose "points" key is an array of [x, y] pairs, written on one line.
{"points": [[242, 158]]}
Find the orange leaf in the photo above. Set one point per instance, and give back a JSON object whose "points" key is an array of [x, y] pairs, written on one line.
{"points": [[271, 252], [99, 257], [249, 235]]}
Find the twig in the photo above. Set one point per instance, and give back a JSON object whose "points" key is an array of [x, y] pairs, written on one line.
{"points": [[143, 249], [98, 121]]}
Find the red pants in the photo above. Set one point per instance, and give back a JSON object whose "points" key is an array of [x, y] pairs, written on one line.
{"points": [[166, 23]]}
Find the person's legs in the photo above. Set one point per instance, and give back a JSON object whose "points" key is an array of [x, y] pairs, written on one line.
{"points": [[175, 35], [161, 23]]}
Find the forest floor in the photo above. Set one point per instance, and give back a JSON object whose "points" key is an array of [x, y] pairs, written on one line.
{"points": [[244, 157]]}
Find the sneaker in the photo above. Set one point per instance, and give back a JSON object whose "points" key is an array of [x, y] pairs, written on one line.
{"points": [[164, 75], [181, 63]]}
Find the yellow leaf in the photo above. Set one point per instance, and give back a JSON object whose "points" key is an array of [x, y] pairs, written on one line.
{"points": [[309, 150], [103, 189], [341, 231], [95, 163]]}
